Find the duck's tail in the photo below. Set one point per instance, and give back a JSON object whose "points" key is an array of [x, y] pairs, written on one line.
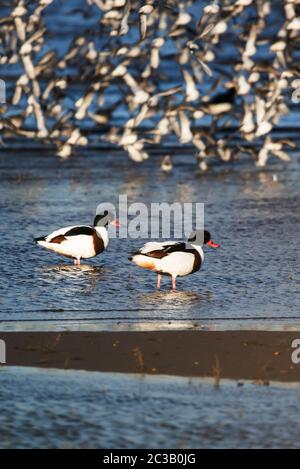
{"points": [[132, 255], [42, 238]]}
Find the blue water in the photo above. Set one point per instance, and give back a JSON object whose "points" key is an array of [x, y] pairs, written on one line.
{"points": [[66, 409]]}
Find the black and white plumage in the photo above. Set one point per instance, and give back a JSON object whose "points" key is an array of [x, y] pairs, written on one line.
{"points": [[80, 241], [173, 258]]}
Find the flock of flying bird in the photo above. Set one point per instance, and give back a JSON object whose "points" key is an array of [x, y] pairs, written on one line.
{"points": [[216, 75]]}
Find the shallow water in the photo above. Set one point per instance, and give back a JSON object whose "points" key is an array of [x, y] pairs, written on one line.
{"points": [[255, 274], [94, 410]]}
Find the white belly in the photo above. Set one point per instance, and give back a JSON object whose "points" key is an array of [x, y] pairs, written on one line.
{"points": [[81, 246], [177, 263]]}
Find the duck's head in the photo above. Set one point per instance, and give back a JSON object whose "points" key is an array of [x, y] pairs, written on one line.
{"points": [[106, 218], [201, 238]]}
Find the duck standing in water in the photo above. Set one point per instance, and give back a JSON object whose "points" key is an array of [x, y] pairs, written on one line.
{"points": [[173, 258], [80, 241]]}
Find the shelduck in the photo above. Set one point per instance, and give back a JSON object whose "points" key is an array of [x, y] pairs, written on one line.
{"points": [[174, 258], [80, 241]]}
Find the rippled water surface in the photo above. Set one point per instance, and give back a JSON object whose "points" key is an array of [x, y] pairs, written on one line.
{"points": [[81, 409], [254, 214]]}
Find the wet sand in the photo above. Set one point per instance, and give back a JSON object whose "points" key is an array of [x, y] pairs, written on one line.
{"points": [[256, 355]]}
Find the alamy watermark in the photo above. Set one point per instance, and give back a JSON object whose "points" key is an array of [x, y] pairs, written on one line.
{"points": [[156, 220], [2, 351], [2, 91], [296, 353]]}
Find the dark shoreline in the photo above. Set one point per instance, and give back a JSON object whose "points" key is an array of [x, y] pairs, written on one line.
{"points": [[261, 356]]}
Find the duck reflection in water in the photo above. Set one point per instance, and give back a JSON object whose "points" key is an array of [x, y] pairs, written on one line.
{"points": [[85, 278], [170, 299]]}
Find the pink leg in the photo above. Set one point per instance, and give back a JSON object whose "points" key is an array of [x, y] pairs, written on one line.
{"points": [[173, 283], [158, 281], [77, 261]]}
